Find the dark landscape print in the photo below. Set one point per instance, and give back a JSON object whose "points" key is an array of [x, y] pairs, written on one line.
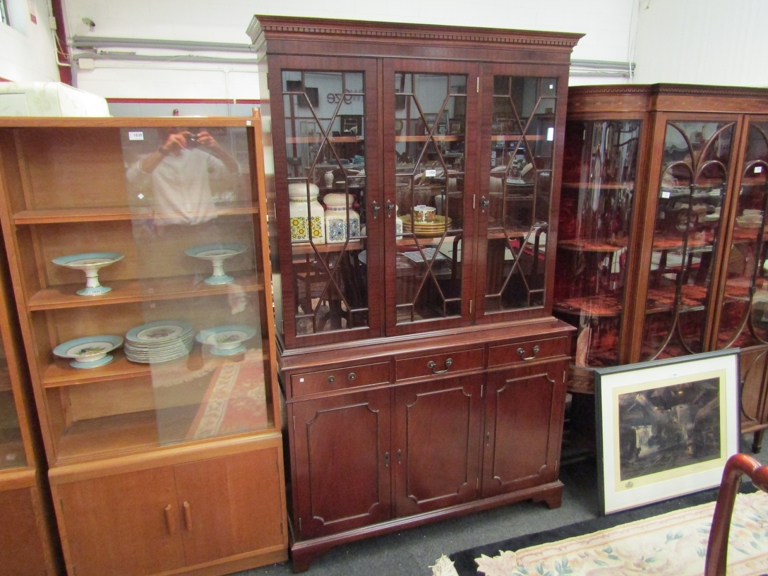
{"points": [[669, 427]]}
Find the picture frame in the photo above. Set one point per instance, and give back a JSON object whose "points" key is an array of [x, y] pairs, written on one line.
{"points": [[351, 125], [665, 428]]}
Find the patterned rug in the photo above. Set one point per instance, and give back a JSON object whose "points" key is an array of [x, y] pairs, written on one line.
{"points": [[235, 401], [672, 544]]}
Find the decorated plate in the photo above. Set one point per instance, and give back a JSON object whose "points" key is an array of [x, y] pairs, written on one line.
{"points": [[89, 351], [226, 340], [88, 260], [215, 251], [159, 332]]}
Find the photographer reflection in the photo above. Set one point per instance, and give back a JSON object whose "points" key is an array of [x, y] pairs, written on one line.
{"points": [[180, 174]]}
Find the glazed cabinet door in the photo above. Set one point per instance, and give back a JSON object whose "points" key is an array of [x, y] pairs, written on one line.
{"points": [[597, 199], [342, 462], [326, 198], [436, 441], [230, 505], [524, 411], [430, 119], [123, 525], [689, 198], [519, 178]]}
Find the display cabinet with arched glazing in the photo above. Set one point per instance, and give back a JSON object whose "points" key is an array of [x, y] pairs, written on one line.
{"points": [[691, 278]]}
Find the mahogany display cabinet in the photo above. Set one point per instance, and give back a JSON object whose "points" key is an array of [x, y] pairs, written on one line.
{"points": [[662, 239], [139, 264], [28, 540], [413, 218]]}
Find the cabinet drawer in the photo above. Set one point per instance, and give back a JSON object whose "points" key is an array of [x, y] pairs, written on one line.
{"points": [[345, 377], [445, 363], [526, 351]]}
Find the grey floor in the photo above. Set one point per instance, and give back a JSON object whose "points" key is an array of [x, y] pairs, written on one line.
{"points": [[412, 552]]}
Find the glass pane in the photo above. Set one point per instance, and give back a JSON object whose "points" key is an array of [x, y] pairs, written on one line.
{"points": [[11, 444], [744, 320], [596, 201], [327, 185], [430, 124], [691, 193], [520, 188], [204, 353]]}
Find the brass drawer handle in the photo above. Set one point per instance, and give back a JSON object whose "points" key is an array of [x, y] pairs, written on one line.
{"points": [[331, 379], [522, 353], [432, 365], [351, 376]]}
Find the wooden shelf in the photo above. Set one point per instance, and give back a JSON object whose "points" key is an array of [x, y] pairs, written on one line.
{"points": [[61, 374], [600, 185], [306, 247], [602, 306], [118, 213], [693, 299], [121, 434], [434, 137], [318, 139], [590, 246], [125, 291], [513, 137]]}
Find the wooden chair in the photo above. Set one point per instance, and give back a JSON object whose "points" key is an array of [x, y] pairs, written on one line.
{"points": [[717, 548]]}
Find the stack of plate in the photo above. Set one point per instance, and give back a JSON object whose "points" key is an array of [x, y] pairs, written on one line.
{"points": [[427, 229], [160, 341]]}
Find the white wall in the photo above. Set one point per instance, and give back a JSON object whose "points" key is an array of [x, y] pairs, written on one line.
{"points": [[605, 22], [722, 42], [27, 50]]}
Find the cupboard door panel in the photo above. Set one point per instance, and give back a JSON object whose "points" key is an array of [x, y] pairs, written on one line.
{"points": [[342, 457], [229, 505], [524, 415], [436, 444], [122, 525], [21, 547]]}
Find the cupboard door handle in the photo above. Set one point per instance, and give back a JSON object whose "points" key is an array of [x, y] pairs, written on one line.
{"points": [[399, 456], [170, 523], [390, 206], [376, 209], [386, 459], [188, 515], [432, 365], [522, 353], [484, 203], [487, 438]]}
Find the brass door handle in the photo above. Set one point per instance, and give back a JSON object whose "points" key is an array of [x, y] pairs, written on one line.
{"points": [[390, 206], [433, 366], [376, 209], [521, 352], [484, 203]]}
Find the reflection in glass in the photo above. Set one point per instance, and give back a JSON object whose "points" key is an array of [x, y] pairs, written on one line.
{"points": [[11, 444], [190, 191], [327, 185], [692, 187], [596, 200], [430, 128], [744, 317], [520, 187]]}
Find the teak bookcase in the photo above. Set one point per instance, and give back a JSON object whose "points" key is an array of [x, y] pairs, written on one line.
{"points": [[172, 466]]}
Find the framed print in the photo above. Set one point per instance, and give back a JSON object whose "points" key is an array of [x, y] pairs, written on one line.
{"points": [[665, 428]]}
